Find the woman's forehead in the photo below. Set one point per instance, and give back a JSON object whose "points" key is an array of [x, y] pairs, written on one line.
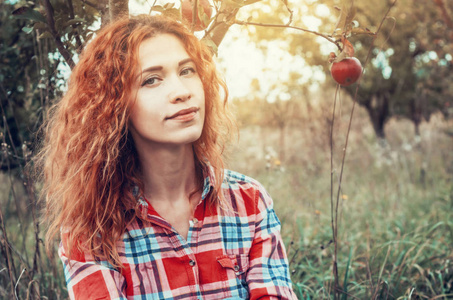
{"points": [[159, 48]]}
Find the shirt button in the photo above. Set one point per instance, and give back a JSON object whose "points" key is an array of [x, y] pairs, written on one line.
{"points": [[195, 221], [192, 263], [236, 268]]}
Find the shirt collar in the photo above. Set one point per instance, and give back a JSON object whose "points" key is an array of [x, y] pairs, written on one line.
{"points": [[209, 179]]}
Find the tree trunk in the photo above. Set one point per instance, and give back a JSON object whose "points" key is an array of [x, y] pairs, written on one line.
{"points": [[378, 110], [417, 128], [416, 114]]}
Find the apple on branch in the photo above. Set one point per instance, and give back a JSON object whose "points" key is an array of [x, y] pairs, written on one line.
{"points": [[345, 69]]}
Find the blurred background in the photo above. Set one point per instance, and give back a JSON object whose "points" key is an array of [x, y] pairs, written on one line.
{"points": [[395, 204]]}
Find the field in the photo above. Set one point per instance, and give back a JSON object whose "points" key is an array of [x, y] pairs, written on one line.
{"points": [[395, 236], [395, 212]]}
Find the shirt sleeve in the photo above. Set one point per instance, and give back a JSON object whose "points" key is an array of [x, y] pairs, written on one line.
{"points": [[89, 279], [268, 275]]}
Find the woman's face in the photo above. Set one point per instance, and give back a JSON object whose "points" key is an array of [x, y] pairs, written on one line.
{"points": [[170, 104]]}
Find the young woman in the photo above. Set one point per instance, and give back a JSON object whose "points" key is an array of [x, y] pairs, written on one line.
{"points": [[134, 178]]}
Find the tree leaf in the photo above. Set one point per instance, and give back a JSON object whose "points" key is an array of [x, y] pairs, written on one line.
{"points": [[341, 22], [45, 35], [361, 30], [74, 21], [346, 17], [248, 2], [28, 13], [27, 30], [169, 5], [158, 8], [350, 14], [234, 4], [340, 57], [210, 43], [347, 47], [172, 12], [40, 26], [202, 15]]}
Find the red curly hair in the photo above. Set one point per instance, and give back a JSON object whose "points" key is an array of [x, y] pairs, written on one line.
{"points": [[89, 161]]}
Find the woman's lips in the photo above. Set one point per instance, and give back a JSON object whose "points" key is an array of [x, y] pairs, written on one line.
{"points": [[185, 115]]}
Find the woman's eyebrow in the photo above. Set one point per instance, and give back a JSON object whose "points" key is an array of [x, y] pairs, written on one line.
{"points": [[159, 68], [185, 61], [151, 69]]}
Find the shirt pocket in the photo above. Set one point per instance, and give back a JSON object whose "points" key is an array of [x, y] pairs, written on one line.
{"points": [[235, 267]]}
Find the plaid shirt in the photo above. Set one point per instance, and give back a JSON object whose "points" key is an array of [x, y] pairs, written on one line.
{"points": [[230, 253]]}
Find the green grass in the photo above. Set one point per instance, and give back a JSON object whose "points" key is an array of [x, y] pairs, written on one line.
{"points": [[395, 216]]}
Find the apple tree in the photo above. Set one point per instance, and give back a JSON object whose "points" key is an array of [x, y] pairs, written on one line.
{"points": [[411, 60]]}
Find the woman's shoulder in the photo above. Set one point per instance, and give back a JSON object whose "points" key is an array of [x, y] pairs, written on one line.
{"points": [[238, 180], [238, 187]]}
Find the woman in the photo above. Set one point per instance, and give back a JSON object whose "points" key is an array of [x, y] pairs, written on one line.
{"points": [[134, 176]]}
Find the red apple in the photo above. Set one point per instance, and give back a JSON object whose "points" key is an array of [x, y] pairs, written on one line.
{"points": [[187, 9], [346, 71]]}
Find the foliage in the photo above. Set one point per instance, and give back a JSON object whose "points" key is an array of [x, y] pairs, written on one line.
{"points": [[411, 64]]}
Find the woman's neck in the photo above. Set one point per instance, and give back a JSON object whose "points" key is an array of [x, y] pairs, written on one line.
{"points": [[169, 174]]}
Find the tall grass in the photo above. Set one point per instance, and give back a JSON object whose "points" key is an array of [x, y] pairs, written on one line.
{"points": [[395, 221]]}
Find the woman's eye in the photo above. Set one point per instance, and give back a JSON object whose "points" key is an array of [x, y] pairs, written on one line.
{"points": [[187, 71], [150, 81]]}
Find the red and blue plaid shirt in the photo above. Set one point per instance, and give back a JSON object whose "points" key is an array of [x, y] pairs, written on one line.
{"points": [[230, 253]]}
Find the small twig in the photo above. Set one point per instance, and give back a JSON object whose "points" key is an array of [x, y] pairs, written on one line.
{"points": [[32, 284], [18, 279], [390, 33], [333, 214], [20, 255], [291, 27], [152, 6], [291, 13], [368, 272], [294, 256]]}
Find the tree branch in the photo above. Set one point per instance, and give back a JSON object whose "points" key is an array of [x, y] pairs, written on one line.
{"points": [[51, 25], [223, 21], [291, 27], [74, 26]]}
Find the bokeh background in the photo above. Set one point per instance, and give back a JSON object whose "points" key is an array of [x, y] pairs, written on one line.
{"points": [[394, 208]]}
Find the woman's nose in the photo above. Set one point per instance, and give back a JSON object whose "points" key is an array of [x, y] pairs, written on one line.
{"points": [[179, 91]]}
